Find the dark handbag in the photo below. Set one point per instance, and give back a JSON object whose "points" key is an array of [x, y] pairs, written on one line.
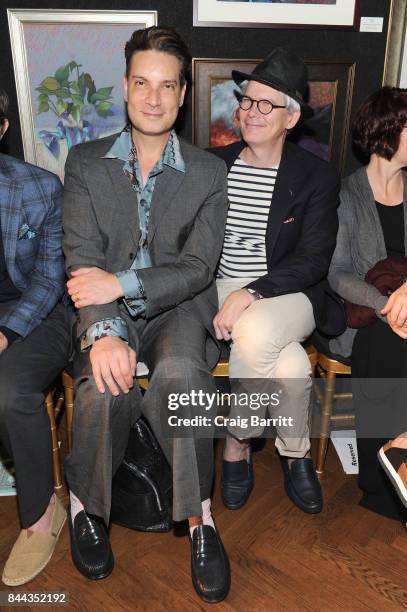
{"points": [[142, 486], [386, 275], [359, 316]]}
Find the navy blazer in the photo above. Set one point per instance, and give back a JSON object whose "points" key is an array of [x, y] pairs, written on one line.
{"points": [[301, 232], [31, 226]]}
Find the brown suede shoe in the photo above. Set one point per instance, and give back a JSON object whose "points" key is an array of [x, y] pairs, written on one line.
{"points": [[32, 551]]}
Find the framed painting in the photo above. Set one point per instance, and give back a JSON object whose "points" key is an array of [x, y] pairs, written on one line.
{"points": [[215, 116], [395, 58], [277, 13], [69, 67]]}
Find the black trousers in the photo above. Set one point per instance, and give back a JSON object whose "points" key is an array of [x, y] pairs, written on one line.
{"points": [[379, 371], [27, 368]]}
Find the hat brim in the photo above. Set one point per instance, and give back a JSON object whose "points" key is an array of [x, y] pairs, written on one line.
{"points": [[238, 77]]}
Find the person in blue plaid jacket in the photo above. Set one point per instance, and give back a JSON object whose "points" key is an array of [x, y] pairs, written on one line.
{"points": [[35, 326]]}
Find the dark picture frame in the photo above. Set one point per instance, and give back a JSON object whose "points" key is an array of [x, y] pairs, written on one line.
{"points": [[304, 14], [330, 94]]}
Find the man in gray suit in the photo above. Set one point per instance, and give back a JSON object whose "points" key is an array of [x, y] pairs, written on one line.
{"points": [[144, 215]]}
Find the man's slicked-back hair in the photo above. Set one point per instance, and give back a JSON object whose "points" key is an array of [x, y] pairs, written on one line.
{"points": [[379, 122], [166, 40], [3, 106]]}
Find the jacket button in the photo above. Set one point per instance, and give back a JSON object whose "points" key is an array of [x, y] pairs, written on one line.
{"points": [[131, 256]]}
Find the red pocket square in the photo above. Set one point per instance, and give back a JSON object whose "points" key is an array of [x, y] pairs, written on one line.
{"points": [[289, 220]]}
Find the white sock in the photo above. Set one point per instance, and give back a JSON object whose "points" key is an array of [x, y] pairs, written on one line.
{"points": [[76, 505], [206, 515]]}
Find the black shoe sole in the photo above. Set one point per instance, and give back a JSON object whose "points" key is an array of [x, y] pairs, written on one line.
{"points": [[79, 567], [206, 599], [296, 499]]}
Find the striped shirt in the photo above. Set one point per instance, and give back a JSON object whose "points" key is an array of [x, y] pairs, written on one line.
{"points": [[250, 190]]}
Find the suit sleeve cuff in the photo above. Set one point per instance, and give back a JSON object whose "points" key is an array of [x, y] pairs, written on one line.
{"points": [[11, 335]]}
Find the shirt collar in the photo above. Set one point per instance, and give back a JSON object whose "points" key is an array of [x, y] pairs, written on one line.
{"points": [[171, 156]]}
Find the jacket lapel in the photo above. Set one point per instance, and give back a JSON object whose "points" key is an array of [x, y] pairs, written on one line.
{"points": [[121, 191], [283, 196], [166, 187], [10, 206]]}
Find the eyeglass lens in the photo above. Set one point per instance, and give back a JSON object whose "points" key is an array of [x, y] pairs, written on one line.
{"points": [[264, 106]]}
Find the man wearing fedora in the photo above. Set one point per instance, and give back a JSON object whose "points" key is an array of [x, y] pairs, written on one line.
{"points": [[280, 237]]}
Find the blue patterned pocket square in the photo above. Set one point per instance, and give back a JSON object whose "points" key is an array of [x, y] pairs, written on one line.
{"points": [[26, 233]]}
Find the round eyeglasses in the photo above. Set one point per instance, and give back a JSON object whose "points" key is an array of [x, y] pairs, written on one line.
{"points": [[264, 106]]}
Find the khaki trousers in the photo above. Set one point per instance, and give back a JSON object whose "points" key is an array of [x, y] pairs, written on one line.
{"points": [[266, 347]]}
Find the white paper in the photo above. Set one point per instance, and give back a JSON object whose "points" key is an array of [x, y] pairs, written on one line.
{"points": [[371, 24], [344, 441]]}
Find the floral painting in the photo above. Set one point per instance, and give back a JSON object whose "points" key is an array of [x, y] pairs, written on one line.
{"points": [[71, 87], [71, 94]]}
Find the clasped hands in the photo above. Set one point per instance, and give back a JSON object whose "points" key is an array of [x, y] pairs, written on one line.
{"points": [[396, 311], [113, 360]]}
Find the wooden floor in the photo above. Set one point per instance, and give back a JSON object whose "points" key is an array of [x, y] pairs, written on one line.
{"points": [[345, 558]]}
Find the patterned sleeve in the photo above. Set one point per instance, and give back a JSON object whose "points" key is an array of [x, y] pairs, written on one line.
{"points": [[101, 329]]}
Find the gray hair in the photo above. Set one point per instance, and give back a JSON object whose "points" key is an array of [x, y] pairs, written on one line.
{"points": [[292, 106]]}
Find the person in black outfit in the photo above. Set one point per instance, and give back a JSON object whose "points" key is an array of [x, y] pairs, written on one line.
{"points": [[372, 221]]}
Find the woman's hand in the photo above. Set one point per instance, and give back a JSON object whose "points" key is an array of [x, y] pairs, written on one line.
{"points": [[400, 331], [396, 309]]}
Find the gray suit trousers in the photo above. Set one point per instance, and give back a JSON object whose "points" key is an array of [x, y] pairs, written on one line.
{"points": [[173, 346]]}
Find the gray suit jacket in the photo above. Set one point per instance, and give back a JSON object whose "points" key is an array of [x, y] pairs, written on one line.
{"points": [[187, 220], [359, 246]]}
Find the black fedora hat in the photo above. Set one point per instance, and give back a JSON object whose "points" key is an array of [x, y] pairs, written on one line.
{"points": [[283, 71]]}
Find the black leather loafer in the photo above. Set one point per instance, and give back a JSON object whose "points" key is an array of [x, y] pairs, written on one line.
{"points": [[237, 482], [209, 565], [90, 546], [302, 485]]}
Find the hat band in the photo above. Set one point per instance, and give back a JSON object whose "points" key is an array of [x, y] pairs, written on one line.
{"points": [[277, 83]]}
